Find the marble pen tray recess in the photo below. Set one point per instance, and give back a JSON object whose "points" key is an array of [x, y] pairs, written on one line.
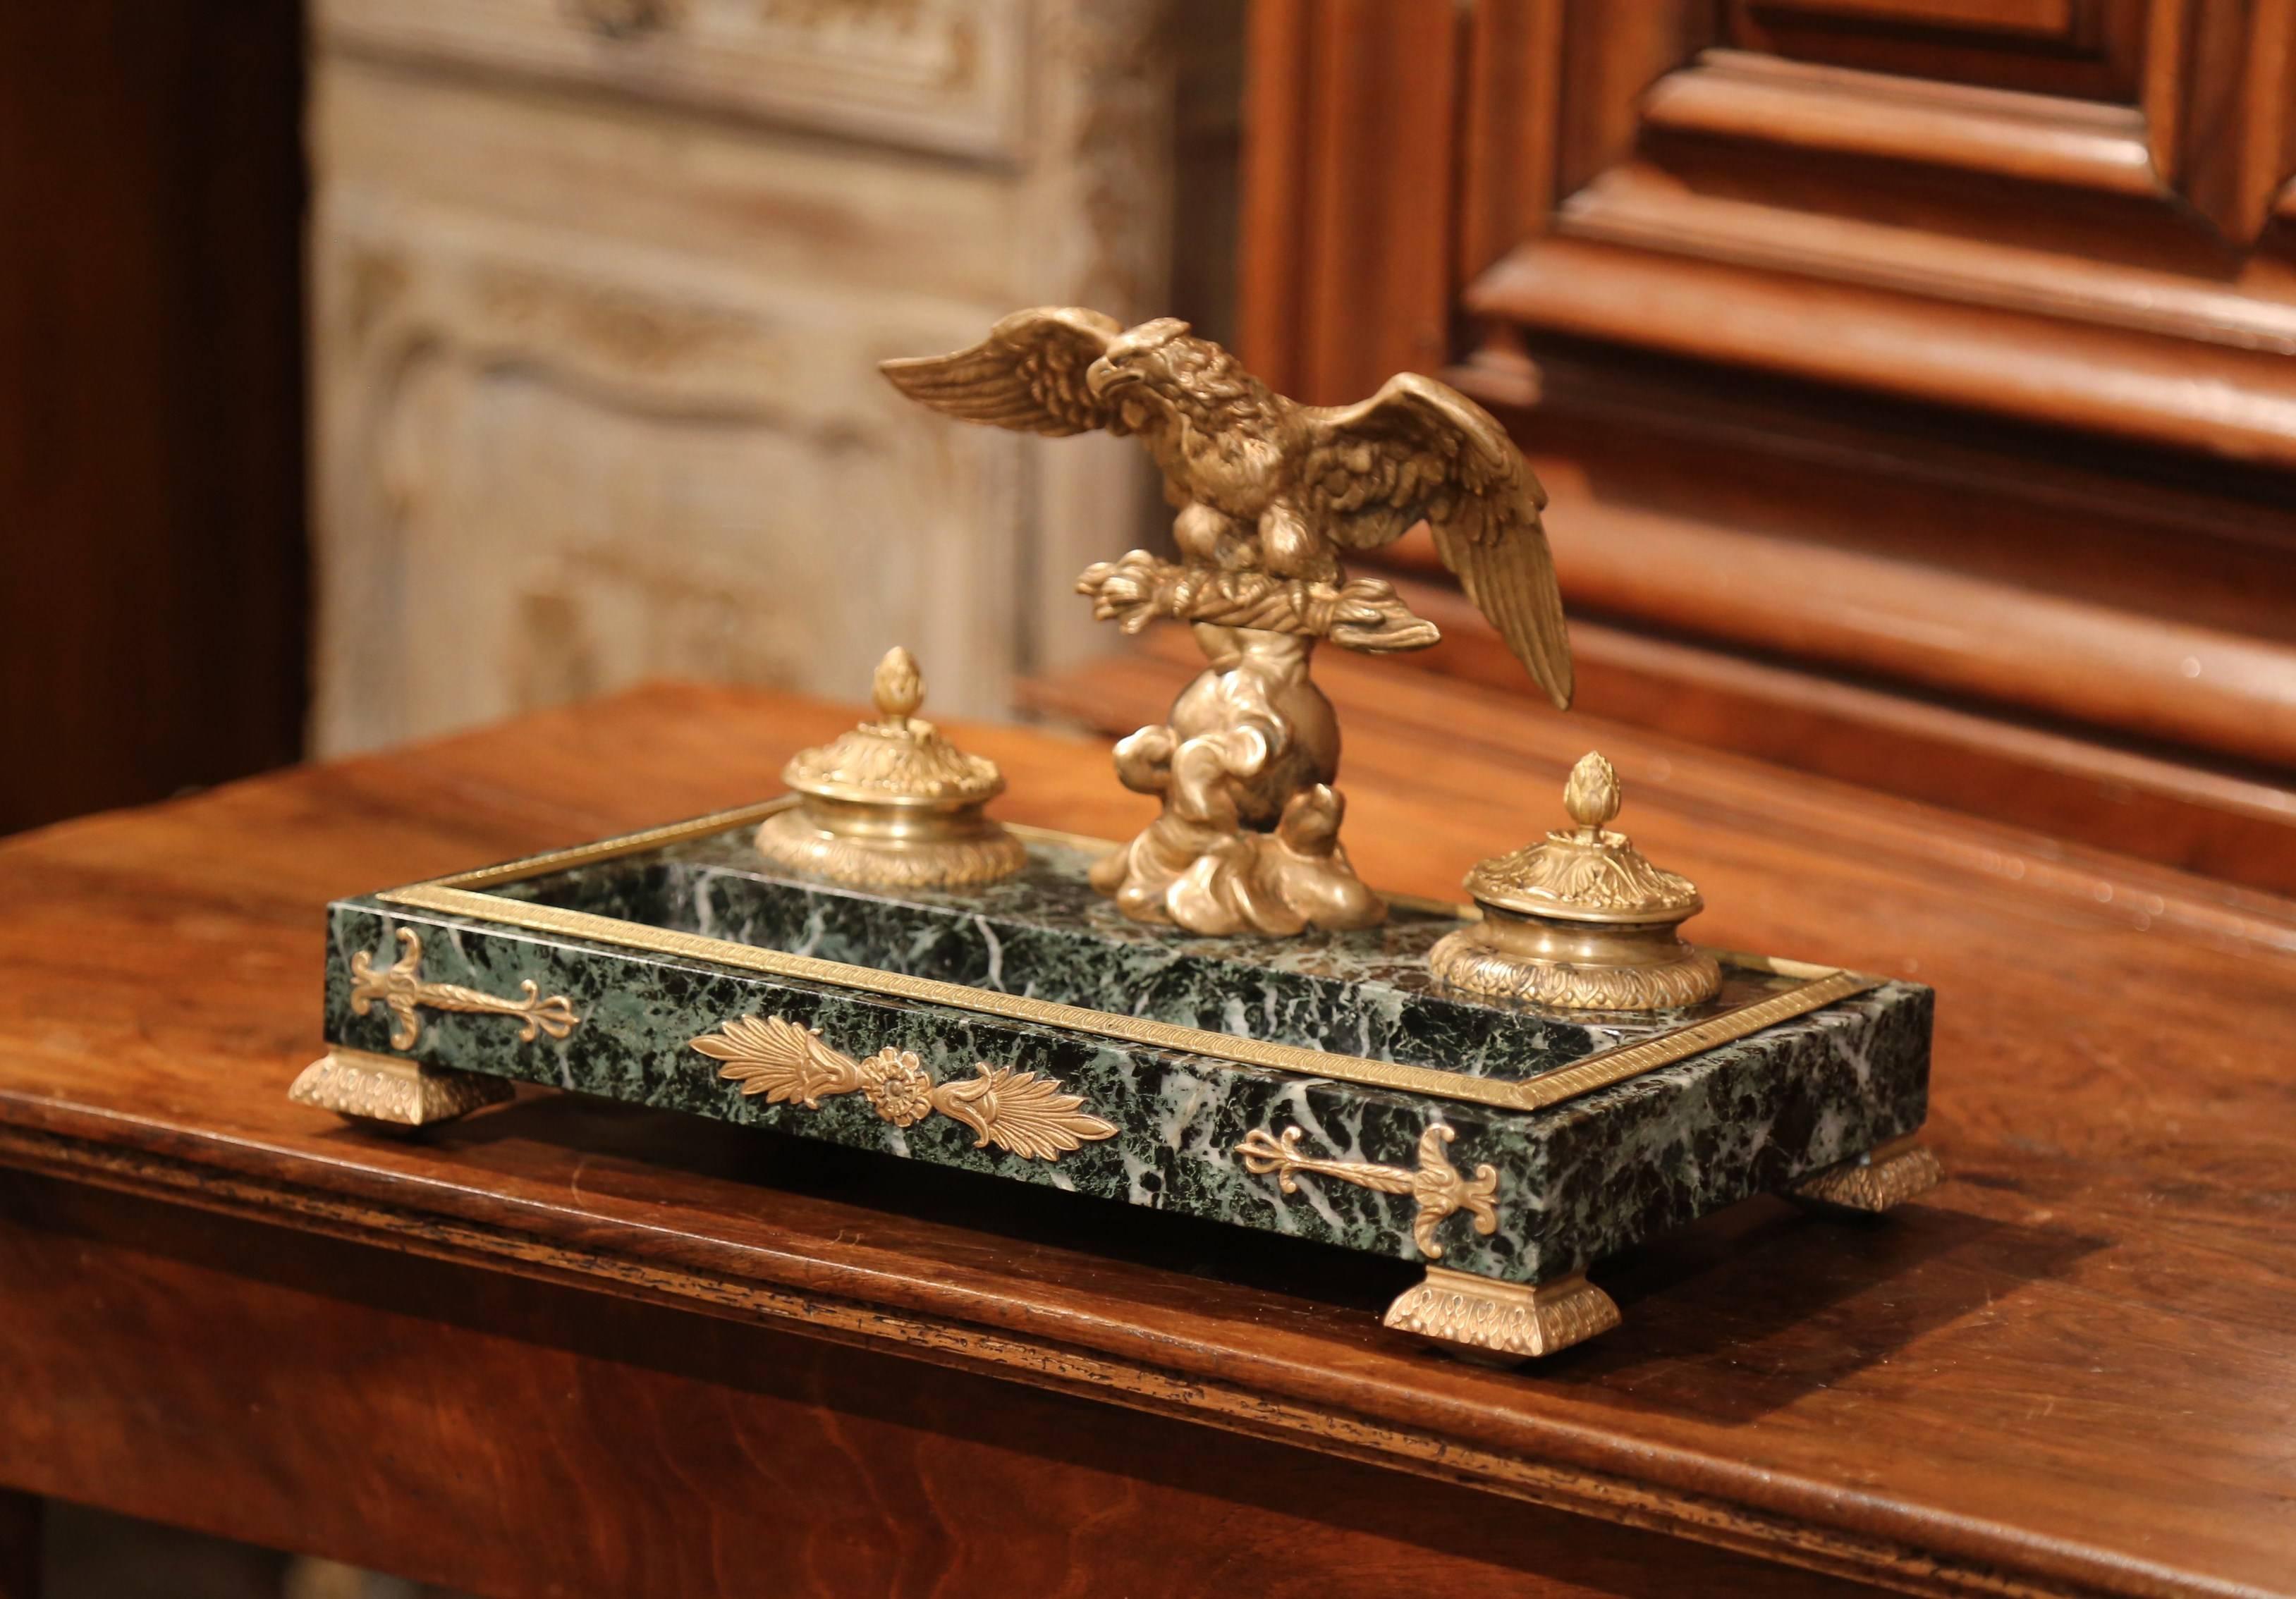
{"points": [[1319, 1087]]}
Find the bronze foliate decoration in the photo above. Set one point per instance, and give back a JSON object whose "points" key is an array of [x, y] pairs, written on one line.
{"points": [[892, 803], [1580, 919], [401, 987], [391, 1090], [1514, 1321], [1435, 1184], [1021, 1113], [1898, 1171], [1271, 493]]}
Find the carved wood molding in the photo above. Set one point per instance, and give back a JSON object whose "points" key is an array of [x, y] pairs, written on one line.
{"points": [[1957, 633], [1640, 208], [2077, 261], [2085, 49], [1742, 94], [1744, 188], [1738, 274], [1919, 344]]}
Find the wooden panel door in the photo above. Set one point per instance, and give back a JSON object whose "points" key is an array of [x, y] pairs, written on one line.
{"points": [[1913, 378]]}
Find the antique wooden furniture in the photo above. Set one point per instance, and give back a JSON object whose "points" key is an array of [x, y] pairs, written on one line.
{"points": [[1912, 377], [562, 1347]]}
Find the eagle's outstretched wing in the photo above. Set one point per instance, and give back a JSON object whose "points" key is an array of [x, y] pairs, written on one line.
{"points": [[1420, 450], [1027, 376]]}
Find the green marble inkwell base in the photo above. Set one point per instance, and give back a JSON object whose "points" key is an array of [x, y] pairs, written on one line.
{"points": [[1323, 1087]]}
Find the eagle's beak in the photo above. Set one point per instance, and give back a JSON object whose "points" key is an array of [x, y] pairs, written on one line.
{"points": [[1101, 376]]}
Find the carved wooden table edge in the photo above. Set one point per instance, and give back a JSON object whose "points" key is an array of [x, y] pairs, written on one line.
{"points": [[1982, 1560]]}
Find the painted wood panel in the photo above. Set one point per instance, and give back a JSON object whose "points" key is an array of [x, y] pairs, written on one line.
{"points": [[595, 364]]}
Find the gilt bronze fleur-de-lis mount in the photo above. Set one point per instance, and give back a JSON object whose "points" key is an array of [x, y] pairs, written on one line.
{"points": [[1435, 1185], [401, 990]]}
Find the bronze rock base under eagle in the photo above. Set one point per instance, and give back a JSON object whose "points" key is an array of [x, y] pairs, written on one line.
{"points": [[1249, 840]]}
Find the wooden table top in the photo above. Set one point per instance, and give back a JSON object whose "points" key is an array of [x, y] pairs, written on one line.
{"points": [[2072, 1369]]}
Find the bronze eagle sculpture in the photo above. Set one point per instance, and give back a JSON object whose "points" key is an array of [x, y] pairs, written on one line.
{"points": [[1266, 485], [1270, 493]]}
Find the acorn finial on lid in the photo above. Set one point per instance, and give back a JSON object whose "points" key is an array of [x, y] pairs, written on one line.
{"points": [[1592, 794], [898, 686]]}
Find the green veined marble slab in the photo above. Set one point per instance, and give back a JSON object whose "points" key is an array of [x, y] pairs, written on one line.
{"points": [[662, 940]]}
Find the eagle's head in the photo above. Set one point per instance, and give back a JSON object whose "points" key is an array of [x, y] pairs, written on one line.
{"points": [[1160, 372], [1153, 352]]}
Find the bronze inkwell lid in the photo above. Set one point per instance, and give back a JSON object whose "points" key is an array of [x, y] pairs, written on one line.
{"points": [[892, 804], [1580, 919]]}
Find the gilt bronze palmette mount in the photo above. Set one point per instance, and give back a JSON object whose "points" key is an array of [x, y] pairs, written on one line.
{"points": [[1270, 495], [1023, 1113]]}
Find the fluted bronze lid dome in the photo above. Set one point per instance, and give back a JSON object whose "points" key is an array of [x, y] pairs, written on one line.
{"points": [[892, 804], [898, 759], [1579, 920], [1586, 872]]}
